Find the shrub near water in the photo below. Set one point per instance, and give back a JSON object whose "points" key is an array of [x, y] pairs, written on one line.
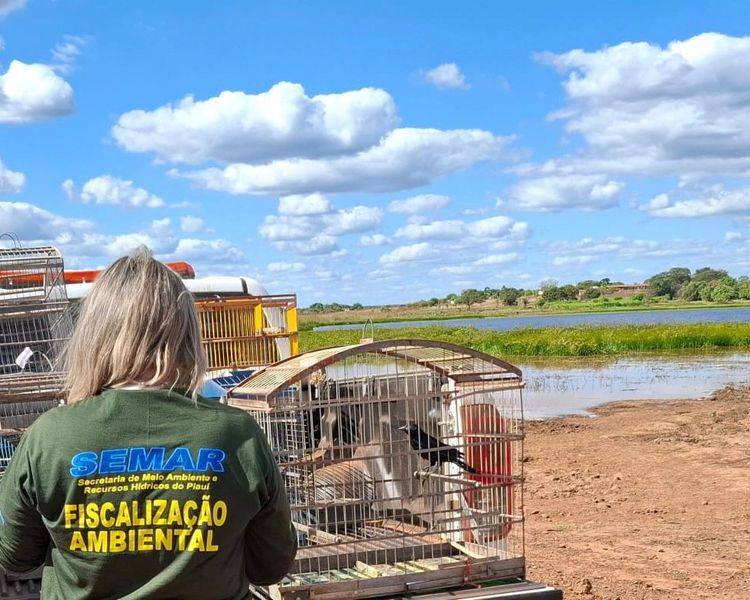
{"points": [[568, 341]]}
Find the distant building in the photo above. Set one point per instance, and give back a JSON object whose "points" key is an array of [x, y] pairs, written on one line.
{"points": [[625, 290], [529, 300]]}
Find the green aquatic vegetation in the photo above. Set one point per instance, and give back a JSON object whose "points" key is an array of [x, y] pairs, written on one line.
{"points": [[559, 341]]}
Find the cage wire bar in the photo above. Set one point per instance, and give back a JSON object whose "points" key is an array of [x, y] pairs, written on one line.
{"points": [[35, 323], [248, 332], [403, 465]]}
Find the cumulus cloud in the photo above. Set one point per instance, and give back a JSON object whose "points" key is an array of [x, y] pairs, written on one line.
{"points": [[286, 143], [353, 220], [191, 224], [376, 239], [285, 267], [11, 182], [446, 76], [403, 159], [733, 236], [8, 6], [290, 227], [283, 122], [581, 259], [82, 245], [419, 204], [107, 189], [496, 259], [33, 92], [316, 245], [706, 203], [558, 192], [481, 229], [645, 109], [217, 251], [31, 223], [411, 253], [587, 250], [304, 204]]}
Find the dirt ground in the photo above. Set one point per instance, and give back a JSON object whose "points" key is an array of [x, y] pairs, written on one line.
{"points": [[648, 500]]}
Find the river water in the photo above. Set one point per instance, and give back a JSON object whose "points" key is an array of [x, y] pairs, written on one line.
{"points": [[560, 386], [634, 317], [563, 386]]}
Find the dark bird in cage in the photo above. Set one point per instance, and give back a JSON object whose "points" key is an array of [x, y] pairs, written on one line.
{"points": [[433, 450]]}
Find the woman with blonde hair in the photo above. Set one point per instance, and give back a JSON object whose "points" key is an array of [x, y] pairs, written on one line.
{"points": [[138, 487]]}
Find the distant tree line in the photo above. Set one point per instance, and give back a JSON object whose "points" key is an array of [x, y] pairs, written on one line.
{"points": [[707, 284], [333, 307]]}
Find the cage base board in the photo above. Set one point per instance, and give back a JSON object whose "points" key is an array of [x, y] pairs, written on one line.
{"points": [[450, 576], [312, 560]]}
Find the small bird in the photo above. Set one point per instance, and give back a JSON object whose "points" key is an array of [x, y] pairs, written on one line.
{"points": [[433, 450]]}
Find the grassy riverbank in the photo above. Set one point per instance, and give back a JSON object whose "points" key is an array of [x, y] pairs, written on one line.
{"points": [[567, 341], [384, 314]]}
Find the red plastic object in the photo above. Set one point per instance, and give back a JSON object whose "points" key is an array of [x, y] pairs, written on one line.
{"points": [[183, 269], [493, 461]]}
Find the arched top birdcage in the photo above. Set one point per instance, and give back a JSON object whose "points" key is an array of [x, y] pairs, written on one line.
{"points": [[402, 461]]}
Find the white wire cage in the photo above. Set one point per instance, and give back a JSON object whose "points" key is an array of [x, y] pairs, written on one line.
{"points": [[403, 465], [35, 324]]}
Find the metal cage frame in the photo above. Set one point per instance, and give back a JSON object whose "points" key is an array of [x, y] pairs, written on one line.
{"points": [[352, 429]]}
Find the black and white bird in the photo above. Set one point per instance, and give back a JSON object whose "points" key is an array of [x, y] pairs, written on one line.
{"points": [[433, 450]]}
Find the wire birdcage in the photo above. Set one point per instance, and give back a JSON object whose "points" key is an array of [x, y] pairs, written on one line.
{"points": [[35, 323], [403, 465], [248, 331]]}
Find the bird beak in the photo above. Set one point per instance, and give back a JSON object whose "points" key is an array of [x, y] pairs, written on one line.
{"points": [[403, 428]]}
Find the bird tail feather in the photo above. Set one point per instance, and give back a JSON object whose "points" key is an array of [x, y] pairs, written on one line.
{"points": [[466, 467]]}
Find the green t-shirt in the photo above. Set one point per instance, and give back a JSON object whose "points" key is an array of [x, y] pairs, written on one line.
{"points": [[145, 494]]}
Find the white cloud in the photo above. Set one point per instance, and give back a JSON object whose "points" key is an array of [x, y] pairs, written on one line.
{"points": [[31, 223], [315, 246], [304, 204], [316, 232], [586, 250], [558, 192], [162, 226], [8, 6], [453, 270], [82, 245], [709, 202], [33, 92], [107, 189], [65, 53], [376, 239], [643, 109], [446, 76], [419, 204], [283, 122], [286, 227], [285, 267], [405, 158], [482, 229], [496, 259], [11, 182], [191, 224], [353, 220], [733, 236], [581, 259], [411, 253], [433, 230]]}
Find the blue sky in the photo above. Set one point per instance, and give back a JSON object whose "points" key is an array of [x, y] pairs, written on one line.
{"points": [[380, 152]]}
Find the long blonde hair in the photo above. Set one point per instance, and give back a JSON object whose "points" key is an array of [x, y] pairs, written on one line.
{"points": [[137, 326]]}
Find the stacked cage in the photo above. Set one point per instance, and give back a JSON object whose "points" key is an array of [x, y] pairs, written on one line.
{"points": [[248, 331], [35, 323], [403, 465]]}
